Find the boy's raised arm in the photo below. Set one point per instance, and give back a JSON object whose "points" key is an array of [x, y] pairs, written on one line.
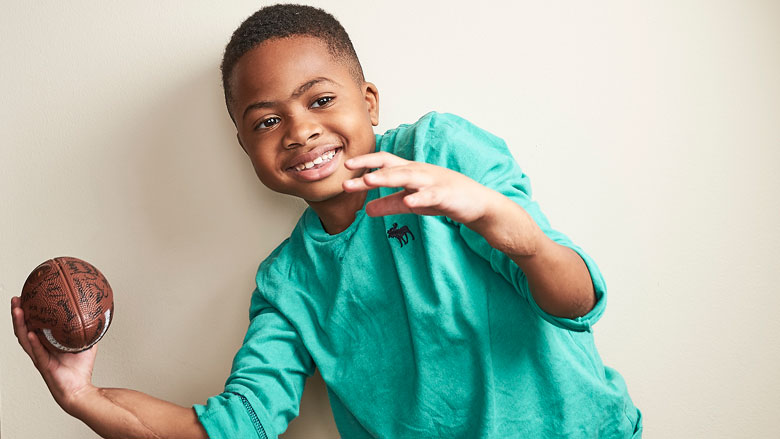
{"points": [[111, 413], [557, 276]]}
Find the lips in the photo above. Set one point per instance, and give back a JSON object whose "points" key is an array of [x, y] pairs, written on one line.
{"points": [[312, 159], [324, 158], [314, 165]]}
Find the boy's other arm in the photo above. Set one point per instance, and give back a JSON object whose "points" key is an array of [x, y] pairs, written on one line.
{"points": [[558, 278], [111, 413], [125, 413]]}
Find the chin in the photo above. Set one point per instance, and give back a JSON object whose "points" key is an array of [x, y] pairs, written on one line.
{"points": [[320, 195], [324, 190]]}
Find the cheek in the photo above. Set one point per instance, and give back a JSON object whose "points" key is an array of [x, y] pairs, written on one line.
{"points": [[361, 132], [264, 167], [271, 181]]}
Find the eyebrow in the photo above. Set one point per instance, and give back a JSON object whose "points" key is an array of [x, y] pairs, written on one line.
{"points": [[295, 94]]}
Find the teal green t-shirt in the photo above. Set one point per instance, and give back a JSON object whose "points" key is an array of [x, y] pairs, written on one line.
{"points": [[419, 328]]}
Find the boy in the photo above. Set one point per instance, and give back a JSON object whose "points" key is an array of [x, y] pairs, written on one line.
{"points": [[447, 309]]}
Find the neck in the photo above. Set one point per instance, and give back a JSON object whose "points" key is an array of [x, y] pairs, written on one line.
{"points": [[337, 213]]}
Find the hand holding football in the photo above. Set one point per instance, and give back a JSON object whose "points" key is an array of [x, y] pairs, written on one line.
{"points": [[68, 303]]}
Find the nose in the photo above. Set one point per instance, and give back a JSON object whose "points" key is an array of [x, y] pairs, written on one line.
{"points": [[301, 130]]}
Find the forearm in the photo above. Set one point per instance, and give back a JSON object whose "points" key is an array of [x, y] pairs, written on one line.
{"points": [[558, 278], [127, 414]]}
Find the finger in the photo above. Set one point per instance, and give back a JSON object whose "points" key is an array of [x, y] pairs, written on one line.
{"points": [[389, 205], [40, 355], [355, 185], [20, 328], [431, 197], [400, 176], [13, 307], [17, 318], [425, 202], [407, 177], [375, 160]]}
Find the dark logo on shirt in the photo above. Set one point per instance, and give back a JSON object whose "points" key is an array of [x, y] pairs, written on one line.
{"points": [[402, 234]]}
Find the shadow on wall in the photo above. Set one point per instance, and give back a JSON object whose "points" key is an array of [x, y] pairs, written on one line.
{"points": [[204, 222]]}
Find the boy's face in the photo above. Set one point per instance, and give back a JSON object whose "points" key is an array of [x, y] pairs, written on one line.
{"points": [[300, 114]]}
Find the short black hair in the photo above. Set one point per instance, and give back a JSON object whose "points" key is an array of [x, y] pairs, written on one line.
{"points": [[284, 21]]}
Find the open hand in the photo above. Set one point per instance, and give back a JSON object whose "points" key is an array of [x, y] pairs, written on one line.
{"points": [[66, 375], [427, 189]]}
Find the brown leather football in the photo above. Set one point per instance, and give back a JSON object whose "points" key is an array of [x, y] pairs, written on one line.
{"points": [[68, 303]]}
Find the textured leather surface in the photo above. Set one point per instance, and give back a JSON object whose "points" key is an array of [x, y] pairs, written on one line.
{"points": [[68, 303]]}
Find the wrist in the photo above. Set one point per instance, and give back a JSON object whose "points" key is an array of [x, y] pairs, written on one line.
{"points": [[493, 203], [507, 227], [78, 403]]}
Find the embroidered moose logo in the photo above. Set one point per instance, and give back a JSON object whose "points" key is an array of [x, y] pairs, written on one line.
{"points": [[400, 234]]}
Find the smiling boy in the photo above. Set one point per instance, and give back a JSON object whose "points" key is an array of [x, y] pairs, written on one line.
{"points": [[423, 282], [327, 108]]}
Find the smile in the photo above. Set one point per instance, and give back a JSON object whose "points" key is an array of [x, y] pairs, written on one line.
{"points": [[317, 162], [318, 167]]}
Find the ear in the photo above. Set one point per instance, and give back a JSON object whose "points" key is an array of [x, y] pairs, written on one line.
{"points": [[371, 95], [238, 137]]}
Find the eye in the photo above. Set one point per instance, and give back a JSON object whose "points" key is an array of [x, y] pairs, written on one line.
{"points": [[321, 102], [267, 123]]}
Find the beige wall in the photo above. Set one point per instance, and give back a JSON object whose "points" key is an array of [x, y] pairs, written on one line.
{"points": [[651, 133]]}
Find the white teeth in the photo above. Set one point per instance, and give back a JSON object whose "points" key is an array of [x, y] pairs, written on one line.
{"points": [[319, 160]]}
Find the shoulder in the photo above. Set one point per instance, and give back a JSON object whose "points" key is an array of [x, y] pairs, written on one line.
{"points": [[447, 140], [440, 129], [276, 258], [275, 269], [272, 269], [431, 125], [273, 277]]}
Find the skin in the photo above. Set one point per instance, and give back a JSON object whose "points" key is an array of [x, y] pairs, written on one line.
{"points": [[292, 101], [304, 103], [558, 278]]}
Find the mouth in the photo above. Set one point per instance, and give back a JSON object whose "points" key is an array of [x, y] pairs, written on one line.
{"points": [[315, 168], [316, 162]]}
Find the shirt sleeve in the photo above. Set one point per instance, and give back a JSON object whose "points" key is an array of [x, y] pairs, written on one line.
{"points": [[263, 392], [457, 144]]}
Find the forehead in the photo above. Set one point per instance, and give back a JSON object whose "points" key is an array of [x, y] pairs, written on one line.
{"points": [[276, 67]]}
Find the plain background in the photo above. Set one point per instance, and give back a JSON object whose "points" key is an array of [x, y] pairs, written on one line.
{"points": [[650, 131]]}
